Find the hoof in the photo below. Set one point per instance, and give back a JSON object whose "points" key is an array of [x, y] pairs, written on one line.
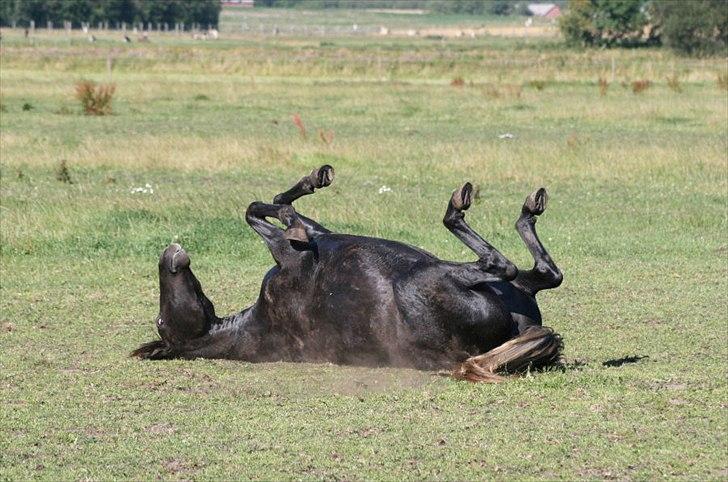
{"points": [[296, 233], [461, 198], [322, 177], [536, 202]]}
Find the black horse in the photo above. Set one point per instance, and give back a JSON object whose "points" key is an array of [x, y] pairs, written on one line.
{"points": [[366, 301]]}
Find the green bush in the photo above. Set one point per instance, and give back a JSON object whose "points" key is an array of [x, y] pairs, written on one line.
{"points": [[608, 23], [697, 27]]}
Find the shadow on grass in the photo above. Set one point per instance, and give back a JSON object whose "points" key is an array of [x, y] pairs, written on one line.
{"points": [[618, 362]]}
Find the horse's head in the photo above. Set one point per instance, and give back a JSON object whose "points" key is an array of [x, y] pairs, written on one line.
{"points": [[185, 313], [184, 310]]}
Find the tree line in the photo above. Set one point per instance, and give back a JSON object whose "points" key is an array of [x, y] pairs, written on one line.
{"points": [[693, 27], [189, 12], [466, 7]]}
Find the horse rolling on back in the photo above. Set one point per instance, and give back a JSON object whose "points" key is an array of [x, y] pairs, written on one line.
{"points": [[358, 300]]}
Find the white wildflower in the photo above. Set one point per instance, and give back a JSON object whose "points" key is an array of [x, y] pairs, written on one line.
{"points": [[146, 189], [384, 189]]}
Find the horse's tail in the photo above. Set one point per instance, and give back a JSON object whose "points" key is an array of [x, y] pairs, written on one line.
{"points": [[535, 347]]}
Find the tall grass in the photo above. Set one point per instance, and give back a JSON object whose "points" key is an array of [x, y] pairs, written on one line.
{"points": [[95, 98]]}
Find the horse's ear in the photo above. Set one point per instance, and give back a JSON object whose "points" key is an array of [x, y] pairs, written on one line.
{"points": [[153, 350]]}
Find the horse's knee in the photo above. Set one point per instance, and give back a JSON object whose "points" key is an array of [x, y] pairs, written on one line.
{"points": [[252, 208], [511, 272], [287, 214], [558, 278], [549, 273], [496, 264]]}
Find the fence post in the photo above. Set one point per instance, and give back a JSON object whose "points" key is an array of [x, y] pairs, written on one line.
{"points": [[49, 25], [123, 27], [32, 26]]}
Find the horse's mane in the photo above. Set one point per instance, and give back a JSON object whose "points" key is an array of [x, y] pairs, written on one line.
{"points": [[153, 350]]}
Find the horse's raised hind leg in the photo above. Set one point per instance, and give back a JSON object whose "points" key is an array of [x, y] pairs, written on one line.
{"points": [[545, 274], [490, 260], [277, 240], [319, 178]]}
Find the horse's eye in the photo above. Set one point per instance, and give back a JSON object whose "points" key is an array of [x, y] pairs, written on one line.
{"points": [[160, 322]]}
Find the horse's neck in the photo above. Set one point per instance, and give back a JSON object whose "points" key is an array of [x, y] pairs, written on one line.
{"points": [[230, 337]]}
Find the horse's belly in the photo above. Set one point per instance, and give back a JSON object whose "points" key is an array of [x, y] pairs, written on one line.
{"points": [[444, 314]]}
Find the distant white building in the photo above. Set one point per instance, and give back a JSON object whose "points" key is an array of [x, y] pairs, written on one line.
{"points": [[547, 10]]}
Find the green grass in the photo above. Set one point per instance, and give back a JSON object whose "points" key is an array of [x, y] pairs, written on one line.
{"points": [[637, 221]]}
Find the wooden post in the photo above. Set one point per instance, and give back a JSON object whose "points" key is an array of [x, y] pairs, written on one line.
{"points": [[49, 25]]}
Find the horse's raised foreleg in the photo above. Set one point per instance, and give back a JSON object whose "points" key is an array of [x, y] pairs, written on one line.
{"points": [[277, 239], [545, 274], [319, 178], [490, 260]]}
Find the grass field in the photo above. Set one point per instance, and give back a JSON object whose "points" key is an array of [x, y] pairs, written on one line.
{"points": [[637, 221]]}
